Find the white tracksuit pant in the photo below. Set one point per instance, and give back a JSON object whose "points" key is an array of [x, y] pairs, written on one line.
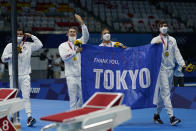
{"points": [[25, 86], [75, 92], [164, 81]]}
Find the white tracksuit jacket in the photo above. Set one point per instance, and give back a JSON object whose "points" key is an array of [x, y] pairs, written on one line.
{"points": [[24, 67], [107, 44], [73, 68], [165, 78], [111, 44]]}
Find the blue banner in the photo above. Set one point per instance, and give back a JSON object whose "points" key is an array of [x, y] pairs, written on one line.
{"points": [[132, 71]]}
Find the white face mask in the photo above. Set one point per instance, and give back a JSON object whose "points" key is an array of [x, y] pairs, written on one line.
{"points": [[164, 30], [72, 39], [106, 37], [19, 39]]}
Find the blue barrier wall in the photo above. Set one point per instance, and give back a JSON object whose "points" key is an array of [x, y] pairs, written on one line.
{"points": [[184, 97], [132, 39], [53, 89], [127, 39], [186, 41], [53, 41], [56, 89]]}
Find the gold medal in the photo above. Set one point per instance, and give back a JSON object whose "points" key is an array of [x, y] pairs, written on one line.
{"points": [[74, 58], [19, 48], [166, 53]]}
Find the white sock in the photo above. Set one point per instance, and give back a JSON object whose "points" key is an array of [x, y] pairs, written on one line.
{"points": [[171, 115], [28, 114]]}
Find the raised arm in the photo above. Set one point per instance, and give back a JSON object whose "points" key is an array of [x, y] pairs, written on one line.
{"points": [[36, 44], [7, 53], [85, 33], [155, 40]]}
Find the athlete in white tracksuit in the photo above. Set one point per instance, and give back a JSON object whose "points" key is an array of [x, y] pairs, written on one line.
{"points": [[24, 68], [70, 54], [106, 39], [170, 56]]}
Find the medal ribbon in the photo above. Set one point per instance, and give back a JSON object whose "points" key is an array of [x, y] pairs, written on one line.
{"points": [[70, 45], [164, 42], [24, 41], [74, 58]]}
